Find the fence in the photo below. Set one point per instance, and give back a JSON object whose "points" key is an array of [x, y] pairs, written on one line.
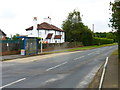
{"points": [[8, 47], [11, 46]]}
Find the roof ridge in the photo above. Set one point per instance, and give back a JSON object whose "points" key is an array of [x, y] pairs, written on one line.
{"points": [[2, 32], [45, 26]]}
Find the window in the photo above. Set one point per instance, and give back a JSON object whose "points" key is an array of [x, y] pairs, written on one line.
{"points": [[59, 33], [40, 33], [55, 41]]}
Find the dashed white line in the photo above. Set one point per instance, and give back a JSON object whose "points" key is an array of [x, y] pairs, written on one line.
{"points": [[12, 83], [79, 57], [56, 66]]}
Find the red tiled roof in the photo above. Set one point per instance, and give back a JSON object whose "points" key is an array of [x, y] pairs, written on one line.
{"points": [[45, 26], [49, 36], [57, 36]]}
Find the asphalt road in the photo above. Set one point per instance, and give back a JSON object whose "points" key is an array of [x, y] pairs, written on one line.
{"points": [[73, 70]]}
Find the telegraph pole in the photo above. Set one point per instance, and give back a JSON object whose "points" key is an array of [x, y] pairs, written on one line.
{"points": [[93, 27]]}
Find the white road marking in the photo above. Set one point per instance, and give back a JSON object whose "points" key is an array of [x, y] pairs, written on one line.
{"points": [[55, 79], [59, 77], [90, 53], [79, 57], [13, 83], [56, 66]]}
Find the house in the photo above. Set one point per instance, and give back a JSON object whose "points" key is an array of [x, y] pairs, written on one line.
{"points": [[47, 31], [2, 35]]}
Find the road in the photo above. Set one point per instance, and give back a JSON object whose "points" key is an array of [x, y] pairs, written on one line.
{"points": [[71, 70]]}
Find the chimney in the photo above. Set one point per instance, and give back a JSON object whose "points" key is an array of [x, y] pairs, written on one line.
{"points": [[47, 20], [35, 23]]}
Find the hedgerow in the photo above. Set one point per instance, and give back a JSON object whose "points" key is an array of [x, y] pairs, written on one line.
{"points": [[100, 41]]}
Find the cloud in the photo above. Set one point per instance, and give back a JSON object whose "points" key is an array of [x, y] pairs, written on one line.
{"points": [[7, 14]]}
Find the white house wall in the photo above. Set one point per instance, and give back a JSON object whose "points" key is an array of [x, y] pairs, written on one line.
{"points": [[29, 33], [44, 33], [32, 33]]}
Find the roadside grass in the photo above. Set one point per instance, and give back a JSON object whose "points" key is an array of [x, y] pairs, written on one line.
{"points": [[91, 47], [115, 52], [82, 48]]}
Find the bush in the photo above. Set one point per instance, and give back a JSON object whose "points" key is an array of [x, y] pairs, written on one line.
{"points": [[100, 41]]}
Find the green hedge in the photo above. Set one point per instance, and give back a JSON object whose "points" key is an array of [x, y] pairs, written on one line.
{"points": [[100, 41]]}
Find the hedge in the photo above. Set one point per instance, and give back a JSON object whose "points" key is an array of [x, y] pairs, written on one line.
{"points": [[100, 41]]}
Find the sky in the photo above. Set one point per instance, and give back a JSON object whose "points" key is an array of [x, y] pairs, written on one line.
{"points": [[17, 15]]}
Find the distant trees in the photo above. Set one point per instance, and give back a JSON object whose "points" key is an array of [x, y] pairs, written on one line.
{"points": [[108, 35], [75, 30]]}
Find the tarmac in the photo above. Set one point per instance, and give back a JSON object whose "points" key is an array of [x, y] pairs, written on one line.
{"points": [[111, 78]]}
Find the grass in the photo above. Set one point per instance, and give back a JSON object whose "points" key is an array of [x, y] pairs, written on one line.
{"points": [[115, 52], [91, 47], [78, 49], [82, 48]]}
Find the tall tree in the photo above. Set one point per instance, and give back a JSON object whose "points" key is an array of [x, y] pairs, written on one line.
{"points": [[75, 30], [115, 20]]}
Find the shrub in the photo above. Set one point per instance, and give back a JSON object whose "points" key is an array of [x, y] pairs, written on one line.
{"points": [[100, 41]]}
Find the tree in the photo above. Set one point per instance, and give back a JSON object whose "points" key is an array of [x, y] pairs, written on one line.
{"points": [[115, 21], [100, 34], [15, 37], [111, 35], [87, 36], [75, 30]]}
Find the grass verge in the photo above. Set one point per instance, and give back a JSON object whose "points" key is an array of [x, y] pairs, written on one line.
{"points": [[115, 52], [90, 47]]}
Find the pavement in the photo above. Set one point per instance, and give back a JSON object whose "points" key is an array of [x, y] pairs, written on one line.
{"points": [[61, 70], [111, 75], [8, 57], [111, 78]]}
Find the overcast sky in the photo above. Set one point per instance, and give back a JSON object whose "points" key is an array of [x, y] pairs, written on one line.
{"points": [[17, 15]]}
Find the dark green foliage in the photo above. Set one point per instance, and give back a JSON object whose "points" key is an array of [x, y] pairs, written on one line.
{"points": [[87, 37], [75, 30], [100, 41], [115, 21], [100, 34]]}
